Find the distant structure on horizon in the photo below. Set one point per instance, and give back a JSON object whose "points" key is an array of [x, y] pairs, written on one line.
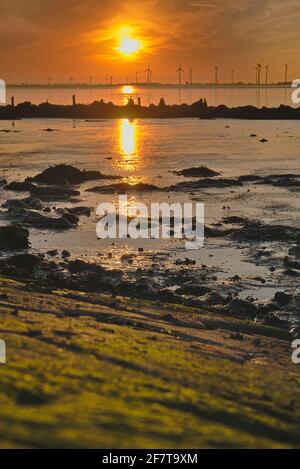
{"points": [[262, 78], [149, 75], [216, 67], [286, 67], [258, 76], [179, 71], [267, 67], [190, 76]]}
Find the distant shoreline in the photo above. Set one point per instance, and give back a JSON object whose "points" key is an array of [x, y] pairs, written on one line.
{"points": [[108, 110], [87, 86]]}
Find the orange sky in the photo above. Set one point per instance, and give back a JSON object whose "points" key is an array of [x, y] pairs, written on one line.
{"points": [[64, 38]]}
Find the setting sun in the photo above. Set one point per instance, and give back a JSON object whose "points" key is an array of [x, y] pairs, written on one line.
{"points": [[128, 44]]}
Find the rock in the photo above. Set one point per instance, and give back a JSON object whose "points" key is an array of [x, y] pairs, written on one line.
{"points": [[124, 188], [19, 205], [14, 238], [255, 230], [282, 180], [204, 184], [65, 254], [194, 289], [214, 299], [92, 277], [234, 220], [282, 299], [274, 321], [241, 308], [295, 251], [15, 205], [65, 174], [19, 186], [50, 130], [249, 178], [166, 295], [185, 262], [85, 211], [291, 273], [71, 218], [260, 279], [33, 203], [236, 278], [26, 263], [201, 172], [78, 266], [145, 289], [291, 263], [52, 193], [37, 220], [52, 252]]}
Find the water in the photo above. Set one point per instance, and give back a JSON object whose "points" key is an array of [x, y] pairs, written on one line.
{"points": [[270, 97], [150, 151]]}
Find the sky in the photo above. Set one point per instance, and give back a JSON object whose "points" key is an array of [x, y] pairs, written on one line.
{"points": [[61, 39]]}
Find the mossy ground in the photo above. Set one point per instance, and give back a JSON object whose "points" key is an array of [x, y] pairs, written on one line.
{"points": [[95, 371]]}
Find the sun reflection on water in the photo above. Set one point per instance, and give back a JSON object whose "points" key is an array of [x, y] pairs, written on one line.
{"points": [[127, 91], [128, 139]]}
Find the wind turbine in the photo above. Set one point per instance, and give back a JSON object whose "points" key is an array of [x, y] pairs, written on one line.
{"points": [[216, 67], [232, 76], [149, 72], [267, 68], [91, 81], [286, 66], [179, 71], [259, 68], [190, 76], [256, 76]]}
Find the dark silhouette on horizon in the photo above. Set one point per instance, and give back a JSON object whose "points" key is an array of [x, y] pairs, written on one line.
{"points": [[108, 110]]}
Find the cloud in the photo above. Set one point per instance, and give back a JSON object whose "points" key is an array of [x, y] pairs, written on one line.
{"points": [[76, 31]]}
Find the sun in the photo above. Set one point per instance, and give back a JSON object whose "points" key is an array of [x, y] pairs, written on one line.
{"points": [[129, 46]]}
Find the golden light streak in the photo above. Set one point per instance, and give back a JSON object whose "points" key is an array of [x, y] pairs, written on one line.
{"points": [[128, 141]]}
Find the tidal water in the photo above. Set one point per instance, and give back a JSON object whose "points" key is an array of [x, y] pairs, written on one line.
{"points": [[235, 96], [150, 151]]}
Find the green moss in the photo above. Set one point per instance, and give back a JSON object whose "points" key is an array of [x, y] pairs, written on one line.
{"points": [[124, 375]]}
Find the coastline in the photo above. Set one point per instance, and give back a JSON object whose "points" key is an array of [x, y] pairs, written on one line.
{"points": [[108, 110]]}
